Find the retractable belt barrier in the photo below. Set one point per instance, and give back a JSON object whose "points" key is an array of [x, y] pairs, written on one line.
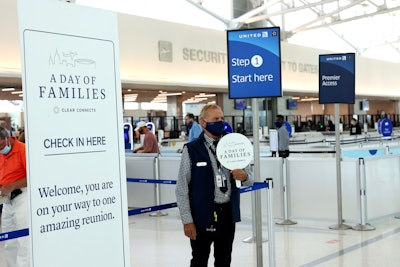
{"points": [[25, 232]]}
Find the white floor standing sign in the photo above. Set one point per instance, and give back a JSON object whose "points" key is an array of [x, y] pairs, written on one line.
{"points": [[75, 148]]}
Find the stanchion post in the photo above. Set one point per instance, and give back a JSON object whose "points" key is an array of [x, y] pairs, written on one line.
{"points": [[157, 189], [252, 238], [363, 226], [398, 216], [284, 198], [270, 221]]}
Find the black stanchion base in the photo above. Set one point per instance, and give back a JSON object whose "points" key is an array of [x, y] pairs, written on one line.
{"points": [[363, 227], [252, 239], [286, 222], [340, 227]]}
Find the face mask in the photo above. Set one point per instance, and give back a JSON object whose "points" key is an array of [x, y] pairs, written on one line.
{"points": [[278, 124], [216, 128], [190, 124], [6, 149]]}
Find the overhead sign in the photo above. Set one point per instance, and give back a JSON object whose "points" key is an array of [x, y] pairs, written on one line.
{"points": [[75, 145], [337, 78], [254, 63]]}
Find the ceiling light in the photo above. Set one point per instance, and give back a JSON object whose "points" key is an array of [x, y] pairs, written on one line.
{"points": [[169, 94], [204, 95], [16, 92], [130, 97], [7, 89]]}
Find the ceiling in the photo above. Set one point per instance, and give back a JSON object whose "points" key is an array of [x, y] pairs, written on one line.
{"points": [[369, 28]]}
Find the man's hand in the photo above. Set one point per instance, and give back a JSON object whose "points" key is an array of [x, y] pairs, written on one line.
{"points": [[190, 230], [239, 174]]}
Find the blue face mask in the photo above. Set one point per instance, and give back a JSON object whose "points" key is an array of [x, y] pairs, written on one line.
{"points": [[278, 124], [216, 128], [6, 149]]}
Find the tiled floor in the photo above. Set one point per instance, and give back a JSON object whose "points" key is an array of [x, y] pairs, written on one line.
{"points": [[159, 242]]}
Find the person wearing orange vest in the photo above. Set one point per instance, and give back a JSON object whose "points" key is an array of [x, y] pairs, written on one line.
{"points": [[14, 195]]}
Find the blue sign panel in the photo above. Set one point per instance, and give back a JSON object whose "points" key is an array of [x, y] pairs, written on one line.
{"points": [[337, 78], [254, 63], [385, 127]]}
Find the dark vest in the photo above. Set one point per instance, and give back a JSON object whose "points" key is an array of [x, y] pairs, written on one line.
{"points": [[201, 186]]}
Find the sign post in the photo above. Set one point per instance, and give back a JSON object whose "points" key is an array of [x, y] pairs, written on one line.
{"points": [[254, 70], [337, 85], [75, 146]]}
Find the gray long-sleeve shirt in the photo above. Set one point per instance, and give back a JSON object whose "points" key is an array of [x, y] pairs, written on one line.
{"points": [[184, 178]]}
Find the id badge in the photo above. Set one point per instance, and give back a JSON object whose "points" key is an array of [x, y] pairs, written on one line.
{"points": [[218, 179]]}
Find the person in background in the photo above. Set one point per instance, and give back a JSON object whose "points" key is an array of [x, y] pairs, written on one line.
{"points": [[331, 126], [207, 197], [21, 135], [193, 127], [150, 144], [10, 130], [13, 183], [283, 137], [355, 128]]}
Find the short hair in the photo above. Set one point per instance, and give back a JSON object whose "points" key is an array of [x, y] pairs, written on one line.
{"points": [[3, 133], [206, 108], [279, 116], [190, 115]]}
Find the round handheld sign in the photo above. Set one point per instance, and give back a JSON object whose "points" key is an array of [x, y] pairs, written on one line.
{"points": [[235, 151]]}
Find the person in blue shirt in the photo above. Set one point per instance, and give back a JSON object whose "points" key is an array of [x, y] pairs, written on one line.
{"points": [[193, 127]]}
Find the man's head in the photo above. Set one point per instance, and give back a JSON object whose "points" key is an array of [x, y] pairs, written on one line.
{"points": [[189, 118], [212, 120], [5, 141], [141, 127], [278, 121], [279, 118]]}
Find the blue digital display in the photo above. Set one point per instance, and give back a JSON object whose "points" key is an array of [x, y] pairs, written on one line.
{"points": [[254, 63], [240, 103], [291, 104], [337, 78]]}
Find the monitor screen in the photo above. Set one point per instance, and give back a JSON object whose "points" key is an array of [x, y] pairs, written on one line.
{"points": [[184, 128], [337, 78], [240, 104], [291, 104], [254, 63], [364, 105]]}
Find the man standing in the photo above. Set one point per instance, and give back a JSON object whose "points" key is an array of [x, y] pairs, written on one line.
{"points": [[13, 184], [150, 144], [193, 127], [283, 137], [208, 200], [355, 128]]}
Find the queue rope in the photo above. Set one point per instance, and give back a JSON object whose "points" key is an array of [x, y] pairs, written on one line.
{"points": [[25, 232]]}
